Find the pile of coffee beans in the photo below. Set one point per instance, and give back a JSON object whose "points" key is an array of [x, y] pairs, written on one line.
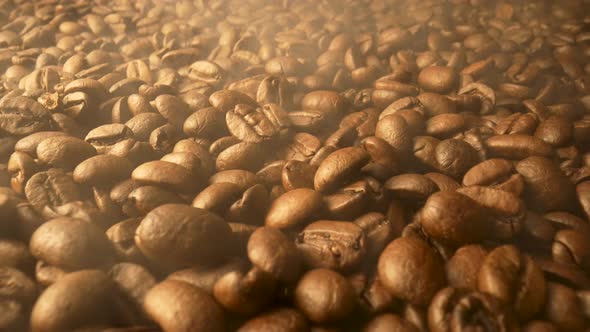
{"points": [[294, 165]]}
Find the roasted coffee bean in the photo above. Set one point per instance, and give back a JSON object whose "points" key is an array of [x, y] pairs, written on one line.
{"points": [[102, 170], [122, 237], [453, 218], [294, 208], [505, 211], [389, 322], [79, 299], [463, 267], [297, 174], [281, 319], [518, 146], [337, 245], [23, 116], [63, 151], [411, 270], [104, 137], [339, 167], [180, 306], [569, 247], [51, 189], [324, 296], [166, 174], [411, 187], [563, 309], [378, 232], [542, 180], [395, 130], [272, 252], [456, 309], [244, 294], [179, 235], [506, 272], [71, 244]]}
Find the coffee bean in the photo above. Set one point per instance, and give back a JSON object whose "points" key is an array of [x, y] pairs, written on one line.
{"points": [[324, 296], [187, 307], [411, 270], [494, 278], [71, 244], [77, 300], [102, 170], [453, 218], [165, 174], [180, 235], [456, 308], [336, 245], [338, 167], [542, 180], [23, 116], [272, 252], [294, 208], [244, 294], [281, 319]]}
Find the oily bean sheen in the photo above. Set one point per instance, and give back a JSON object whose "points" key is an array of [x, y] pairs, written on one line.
{"points": [[339, 167], [513, 278], [453, 218], [180, 306], [180, 235], [305, 166], [413, 259]]}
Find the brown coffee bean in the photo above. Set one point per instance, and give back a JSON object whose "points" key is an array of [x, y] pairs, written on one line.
{"points": [[29, 143], [180, 306], [71, 244], [463, 267], [273, 252], [282, 319], [563, 308], [294, 208], [244, 294], [336, 245], [77, 300], [437, 79], [569, 247], [488, 172], [102, 170], [51, 189], [455, 157], [378, 232], [165, 174], [411, 270], [411, 186], [542, 180], [395, 130], [583, 193], [122, 236], [179, 235], [105, 136], [324, 296], [206, 122], [297, 174], [339, 167], [453, 218], [389, 322], [518, 146], [505, 211], [23, 116], [456, 309], [506, 269]]}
